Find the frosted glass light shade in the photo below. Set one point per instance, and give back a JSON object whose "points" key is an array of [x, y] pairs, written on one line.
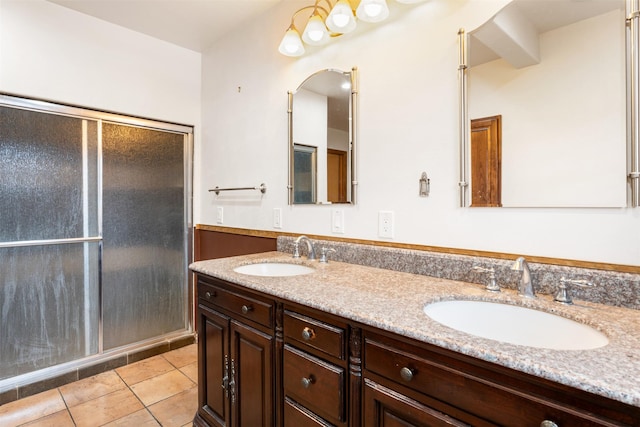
{"points": [[315, 33], [373, 10], [291, 44], [341, 19]]}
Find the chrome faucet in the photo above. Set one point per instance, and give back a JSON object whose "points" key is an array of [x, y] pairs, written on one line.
{"points": [[311, 253], [525, 287]]}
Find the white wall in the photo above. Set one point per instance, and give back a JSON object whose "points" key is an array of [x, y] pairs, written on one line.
{"points": [[408, 123], [563, 120], [53, 53]]}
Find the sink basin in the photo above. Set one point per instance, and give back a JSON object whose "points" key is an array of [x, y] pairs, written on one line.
{"points": [[515, 325], [274, 269]]}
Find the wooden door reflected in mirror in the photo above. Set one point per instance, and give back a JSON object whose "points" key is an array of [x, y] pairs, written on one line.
{"points": [[337, 176], [486, 162]]}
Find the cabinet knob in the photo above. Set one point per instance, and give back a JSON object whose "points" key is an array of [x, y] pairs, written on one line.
{"points": [[246, 309], [308, 334], [407, 373], [306, 382], [547, 423], [209, 294]]}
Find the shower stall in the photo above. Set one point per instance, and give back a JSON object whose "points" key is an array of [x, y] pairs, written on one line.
{"points": [[95, 236]]}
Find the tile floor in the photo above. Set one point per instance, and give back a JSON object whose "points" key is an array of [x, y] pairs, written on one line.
{"points": [[158, 391]]}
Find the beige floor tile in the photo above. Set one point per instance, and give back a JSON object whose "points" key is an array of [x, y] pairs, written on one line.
{"points": [[105, 409], [141, 418], [177, 410], [182, 356], [144, 369], [159, 388], [91, 388], [31, 408], [191, 370], [59, 419]]}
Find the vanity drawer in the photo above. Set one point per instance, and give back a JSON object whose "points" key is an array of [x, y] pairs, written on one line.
{"points": [[315, 384], [307, 332], [456, 387], [237, 303], [401, 367], [296, 416]]}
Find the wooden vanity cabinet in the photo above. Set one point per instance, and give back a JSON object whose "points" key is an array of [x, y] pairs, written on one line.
{"points": [[267, 362], [236, 357], [316, 378], [416, 384]]}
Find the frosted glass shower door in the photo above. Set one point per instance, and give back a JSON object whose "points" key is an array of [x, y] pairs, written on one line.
{"points": [[49, 240], [144, 224]]}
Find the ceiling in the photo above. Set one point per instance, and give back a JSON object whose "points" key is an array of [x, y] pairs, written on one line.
{"points": [[192, 24]]}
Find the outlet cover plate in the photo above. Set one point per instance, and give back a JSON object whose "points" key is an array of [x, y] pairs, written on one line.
{"points": [[385, 224], [219, 215], [277, 218], [337, 221]]}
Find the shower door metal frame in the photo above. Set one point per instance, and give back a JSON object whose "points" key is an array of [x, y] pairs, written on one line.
{"points": [[50, 107]]}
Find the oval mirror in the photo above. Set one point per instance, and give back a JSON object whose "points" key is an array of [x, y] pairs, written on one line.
{"points": [[547, 105], [322, 143]]}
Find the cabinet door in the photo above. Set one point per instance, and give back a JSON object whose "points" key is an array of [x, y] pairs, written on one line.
{"points": [[252, 389], [386, 408], [213, 374]]}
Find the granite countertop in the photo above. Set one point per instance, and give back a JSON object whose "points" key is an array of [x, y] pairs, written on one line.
{"points": [[394, 301]]}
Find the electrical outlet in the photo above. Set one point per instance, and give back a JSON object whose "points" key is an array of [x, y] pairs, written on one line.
{"points": [[220, 215], [337, 221], [385, 224], [277, 218]]}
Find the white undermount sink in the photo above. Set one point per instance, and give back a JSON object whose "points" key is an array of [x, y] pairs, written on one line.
{"points": [[273, 269], [515, 325]]}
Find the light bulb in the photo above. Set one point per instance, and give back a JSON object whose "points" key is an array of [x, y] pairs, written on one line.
{"points": [[291, 45], [373, 10], [341, 19], [315, 33]]}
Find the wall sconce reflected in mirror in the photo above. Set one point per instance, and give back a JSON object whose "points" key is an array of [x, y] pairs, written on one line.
{"points": [[332, 18]]}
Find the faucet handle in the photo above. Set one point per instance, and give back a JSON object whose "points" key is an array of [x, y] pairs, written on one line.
{"points": [[563, 296], [324, 252], [492, 286], [296, 250]]}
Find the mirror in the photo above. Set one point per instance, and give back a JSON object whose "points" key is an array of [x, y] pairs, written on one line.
{"points": [[546, 110], [322, 141]]}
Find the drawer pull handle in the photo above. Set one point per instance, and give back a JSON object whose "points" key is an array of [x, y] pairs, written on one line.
{"points": [[306, 382], [547, 423], [407, 374], [246, 309], [308, 334], [209, 294]]}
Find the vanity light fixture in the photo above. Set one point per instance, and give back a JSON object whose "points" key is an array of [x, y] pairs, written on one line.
{"points": [[337, 18], [372, 10], [316, 33], [341, 20]]}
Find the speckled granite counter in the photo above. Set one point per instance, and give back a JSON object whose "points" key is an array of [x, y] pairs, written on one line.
{"points": [[394, 301]]}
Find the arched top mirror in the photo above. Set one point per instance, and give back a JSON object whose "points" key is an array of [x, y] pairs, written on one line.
{"points": [[543, 119], [322, 139]]}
